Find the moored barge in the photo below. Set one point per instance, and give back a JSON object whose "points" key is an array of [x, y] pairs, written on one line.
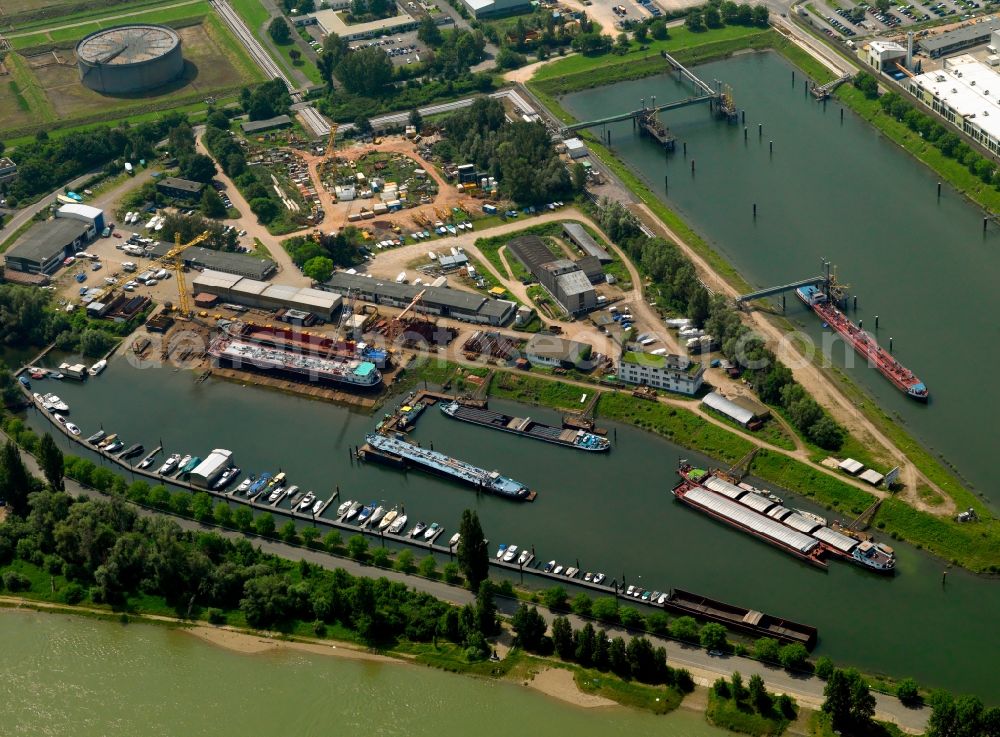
{"points": [[740, 618], [527, 427]]}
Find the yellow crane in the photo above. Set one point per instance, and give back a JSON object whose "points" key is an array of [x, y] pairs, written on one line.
{"points": [[331, 143], [172, 260]]}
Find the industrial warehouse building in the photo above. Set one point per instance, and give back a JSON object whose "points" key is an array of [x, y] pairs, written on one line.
{"points": [[231, 263], [259, 126], [585, 242], [965, 37], [84, 214], [551, 350], [442, 301], [742, 410], [565, 280], [180, 189], [670, 372], [964, 92], [42, 249], [8, 169], [255, 293], [495, 8]]}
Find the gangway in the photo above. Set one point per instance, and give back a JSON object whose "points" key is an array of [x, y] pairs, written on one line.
{"points": [[767, 292], [821, 92]]}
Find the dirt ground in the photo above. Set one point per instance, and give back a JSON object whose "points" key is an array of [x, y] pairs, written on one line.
{"points": [[206, 69]]}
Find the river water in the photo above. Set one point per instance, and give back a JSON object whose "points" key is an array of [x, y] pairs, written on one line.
{"points": [[64, 675], [839, 190], [613, 512]]}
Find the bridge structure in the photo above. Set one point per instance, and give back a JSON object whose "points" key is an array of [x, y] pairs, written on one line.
{"points": [[719, 98], [822, 92], [744, 299]]}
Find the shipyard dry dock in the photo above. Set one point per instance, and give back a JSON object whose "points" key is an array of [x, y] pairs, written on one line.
{"points": [[395, 452]]}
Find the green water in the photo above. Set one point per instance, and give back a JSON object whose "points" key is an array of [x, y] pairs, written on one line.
{"points": [[838, 190], [68, 676], [613, 512]]}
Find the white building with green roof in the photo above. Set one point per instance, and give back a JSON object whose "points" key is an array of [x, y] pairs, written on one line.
{"points": [[671, 372]]}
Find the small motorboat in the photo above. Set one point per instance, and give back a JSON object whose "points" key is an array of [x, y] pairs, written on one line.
{"points": [[655, 596], [355, 508], [396, 527], [523, 557], [133, 451], [501, 550], [366, 512], [663, 599], [182, 463], [598, 577], [97, 367], [108, 440], [36, 373], [557, 570], [645, 596], [630, 590], [148, 460], [510, 554], [245, 484], [96, 437], [170, 464], [387, 521], [56, 375], [432, 531], [191, 465], [24, 381], [318, 507], [454, 539], [307, 500], [571, 572], [60, 419], [227, 477], [73, 429], [418, 529], [342, 509], [378, 514], [276, 494], [54, 403], [588, 576], [549, 566], [115, 446]]}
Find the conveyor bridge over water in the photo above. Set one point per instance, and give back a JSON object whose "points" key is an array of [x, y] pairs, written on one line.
{"points": [[769, 291], [706, 93]]}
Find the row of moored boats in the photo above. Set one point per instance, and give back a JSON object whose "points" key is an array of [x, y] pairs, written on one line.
{"points": [[393, 521]]}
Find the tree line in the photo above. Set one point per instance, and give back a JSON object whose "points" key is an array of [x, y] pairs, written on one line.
{"points": [[47, 163], [937, 134], [678, 289]]}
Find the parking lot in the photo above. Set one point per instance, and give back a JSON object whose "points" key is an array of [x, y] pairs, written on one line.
{"points": [[844, 21], [401, 48]]}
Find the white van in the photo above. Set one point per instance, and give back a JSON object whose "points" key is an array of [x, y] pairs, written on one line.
{"points": [[128, 266]]}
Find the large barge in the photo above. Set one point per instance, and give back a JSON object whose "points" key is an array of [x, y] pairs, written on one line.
{"points": [[388, 449], [863, 343], [740, 618], [241, 354], [526, 427], [798, 534]]}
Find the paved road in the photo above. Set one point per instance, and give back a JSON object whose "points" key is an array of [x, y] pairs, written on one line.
{"points": [[807, 690]]}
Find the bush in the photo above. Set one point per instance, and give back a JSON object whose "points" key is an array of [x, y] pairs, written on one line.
{"points": [[72, 593], [908, 692], [15, 581], [216, 616], [824, 668], [793, 656], [684, 628]]}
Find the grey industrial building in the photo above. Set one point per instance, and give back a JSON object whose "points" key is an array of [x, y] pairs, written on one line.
{"points": [[567, 281], [130, 58], [255, 293], [8, 169], [585, 242], [229, 263], [180, 189], [949, 42], [259, 126], [42, 249], [551, 350], [442, 301]]}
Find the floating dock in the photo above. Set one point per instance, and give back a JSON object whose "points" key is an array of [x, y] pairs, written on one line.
{"points": [[526, 427], [401, 454]]}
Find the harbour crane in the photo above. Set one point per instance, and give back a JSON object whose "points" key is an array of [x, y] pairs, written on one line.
{"points": [[172, 260], [396, 324]]}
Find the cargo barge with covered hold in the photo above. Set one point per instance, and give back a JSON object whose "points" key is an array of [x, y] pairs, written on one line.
{"points": [[797, 533]]}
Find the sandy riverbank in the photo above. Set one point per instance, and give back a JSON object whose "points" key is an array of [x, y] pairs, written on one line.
{"points": [[253, 643], [559, 684]]}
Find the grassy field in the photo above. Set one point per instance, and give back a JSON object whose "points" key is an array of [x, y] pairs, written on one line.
{"points": [[741, 718], [216, 66], [252, 13], [304, 65], [255, 16], [74, 28]]}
